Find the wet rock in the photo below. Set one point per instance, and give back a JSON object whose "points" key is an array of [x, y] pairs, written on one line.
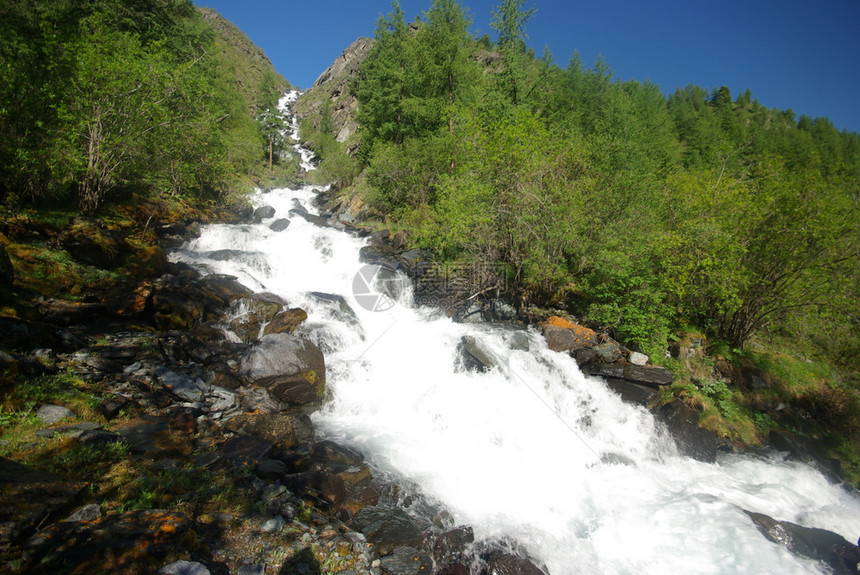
{"points": [[819, 544], [406, 561], [520, 341], [259, 309], [806, 451], [290, 368], [279, 225], [263, 213], [286, 321], [502, 563], [132, 543], [28, 496], [473, 356], [389, 528], [53, 414], [226, 288], [632, 392], [451, 546], [683, 423]]}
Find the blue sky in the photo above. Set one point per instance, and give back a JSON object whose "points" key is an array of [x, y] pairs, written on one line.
{"points": [[802, 55]]}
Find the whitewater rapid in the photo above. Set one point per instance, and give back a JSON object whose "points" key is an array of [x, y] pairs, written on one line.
{"points": [[530, 450]]}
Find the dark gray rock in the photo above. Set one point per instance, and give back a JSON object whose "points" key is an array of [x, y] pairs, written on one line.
{"points": [[290, 368], [406, 561], [650, 376], [451, 546], [683, 423], [52, 414], [632, 392], [388, 527], [473, 356], [263, 213], [819, 544], [181, 385], [246, 450], [608, 352], [279, 225], [502, 563], [807, 451]]}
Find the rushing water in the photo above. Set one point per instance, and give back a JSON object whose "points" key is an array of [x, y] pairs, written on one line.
{"points": [[531, 449]]}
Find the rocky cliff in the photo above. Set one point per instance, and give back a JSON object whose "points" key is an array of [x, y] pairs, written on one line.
{"points": [[332, 87]]}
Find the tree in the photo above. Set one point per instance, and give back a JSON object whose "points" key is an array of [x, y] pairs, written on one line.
{"points": [[509, 20]]}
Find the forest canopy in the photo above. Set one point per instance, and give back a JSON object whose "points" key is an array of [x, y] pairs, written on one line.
{"points": [[637, 211]]}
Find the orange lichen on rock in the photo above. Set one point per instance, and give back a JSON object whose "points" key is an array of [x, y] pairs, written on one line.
{"points": [[557, 321]]}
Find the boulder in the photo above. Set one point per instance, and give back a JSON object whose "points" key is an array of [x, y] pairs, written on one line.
{"points": [[683, 423], [563, 335], [637, 358], [53, 414], [92, 243], [279, 225], [290, 368], [263, 213], [840, 555]]}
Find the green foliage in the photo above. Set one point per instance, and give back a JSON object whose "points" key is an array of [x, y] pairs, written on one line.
{"points": [[639, 212], [103, 99]]}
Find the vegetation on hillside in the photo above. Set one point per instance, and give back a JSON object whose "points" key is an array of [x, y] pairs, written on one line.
{"points": [[637, 212], [109, 100]]}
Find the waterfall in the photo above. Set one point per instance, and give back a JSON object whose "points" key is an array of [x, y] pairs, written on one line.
{"points": [[530, 449]]}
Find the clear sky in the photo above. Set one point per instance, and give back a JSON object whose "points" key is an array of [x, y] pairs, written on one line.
{"points": [[802, 55]]}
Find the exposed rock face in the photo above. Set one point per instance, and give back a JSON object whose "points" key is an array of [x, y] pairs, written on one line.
{"points": [[333, 86]]}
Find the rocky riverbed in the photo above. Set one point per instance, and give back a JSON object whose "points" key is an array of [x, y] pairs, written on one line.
{"points": [[194, 453]]}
